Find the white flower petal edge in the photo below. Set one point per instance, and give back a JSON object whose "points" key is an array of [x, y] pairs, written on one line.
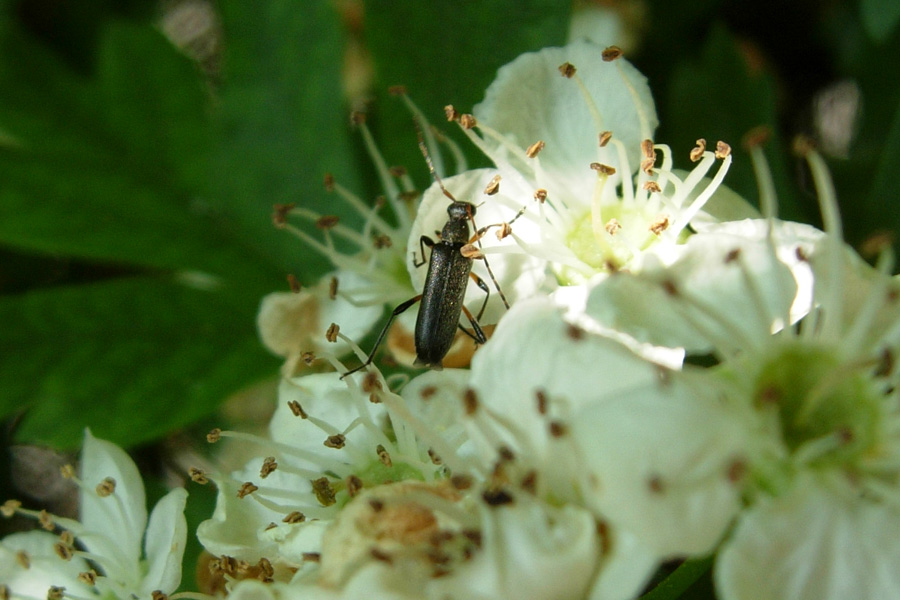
{"points": [[165, 542], [817, 542]]}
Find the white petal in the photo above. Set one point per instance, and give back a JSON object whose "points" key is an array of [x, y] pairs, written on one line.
{"points": [[814, 543], [626, 569], [530, 100], [529, 551], [236, 524], [725, 291], [45, 568], [661, 458], [114, 524], [165, 542]]}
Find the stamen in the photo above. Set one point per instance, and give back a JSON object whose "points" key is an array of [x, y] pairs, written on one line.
{"points": [[391, 191]]}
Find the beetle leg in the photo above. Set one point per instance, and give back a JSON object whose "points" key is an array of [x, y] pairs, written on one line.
{"points": [[478, 336], [487, 293], [423, 241], [400, 309]]}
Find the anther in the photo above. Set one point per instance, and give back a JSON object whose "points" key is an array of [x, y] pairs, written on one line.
{"points": [[308, 358], [435, 458], [612, 227], [603, 169], [558, 429], [63, 551], [56, 592], [756, 137], [574, 332], [67, 472], [652, 187], [803, 145], [504, 231], [427, 392], [268, 467], [324, 492], [656, 484], [384, 456], [4, 592], [333, 288], [723, 150], [540, 195], [471, 251], [23, 559], [265, 566], [397, 90], [328, 181], [88, 577], [294, 517], [246, 489], [452, 114], [468, 121], [397, 171], [214, 435], [567, 70], [327, 221], [197, 476], [493, 186], [661, 224], [506, 454], [496, 497], [535, 148], [736, 471], [542, 401], [332, 333], [801, 255], [604, 138], [529, 482], [297, 409], [354, 485], [732, 255], [158, 595], [698, 150], [611, 53], [876, 243], [336, 441], [382, 241], [380, 555], [46, 521], [10, 507], [280, 214], [371, 383], [106, 488], [470, 402], [669, 287], [461, 482], [311, 557], [408, 196], [376, 504], [647, 149], [293, 283], [357, 117]]}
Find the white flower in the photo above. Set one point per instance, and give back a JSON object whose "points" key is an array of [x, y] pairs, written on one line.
{"points": [[647, 449], [817, 401], [578, 179], [133, 557]]}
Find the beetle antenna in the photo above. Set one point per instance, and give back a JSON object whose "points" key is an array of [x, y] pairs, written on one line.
{"points": [[427, 156]]}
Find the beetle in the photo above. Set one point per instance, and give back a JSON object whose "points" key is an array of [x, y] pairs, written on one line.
{"points": [[449, 271]]}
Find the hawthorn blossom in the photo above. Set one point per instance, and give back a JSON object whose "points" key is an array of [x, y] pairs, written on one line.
{"points": [[113, 551], [817, 400]]}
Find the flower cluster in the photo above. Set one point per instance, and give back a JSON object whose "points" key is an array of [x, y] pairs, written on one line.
{"points": [[669, 375], [674, 375]]}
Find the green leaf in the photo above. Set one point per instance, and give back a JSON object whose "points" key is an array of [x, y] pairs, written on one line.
{"points": [[673, 586], [108, 168], [879, 17], [719, 97], [133, 358], [447, 53], [882, 200], [281, 121]]}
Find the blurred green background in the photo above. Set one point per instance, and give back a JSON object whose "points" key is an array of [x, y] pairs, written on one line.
{"points": [[143, 144]]}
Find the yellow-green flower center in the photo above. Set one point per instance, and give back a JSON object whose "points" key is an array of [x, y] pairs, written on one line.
{"points": [[827, 408]]}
